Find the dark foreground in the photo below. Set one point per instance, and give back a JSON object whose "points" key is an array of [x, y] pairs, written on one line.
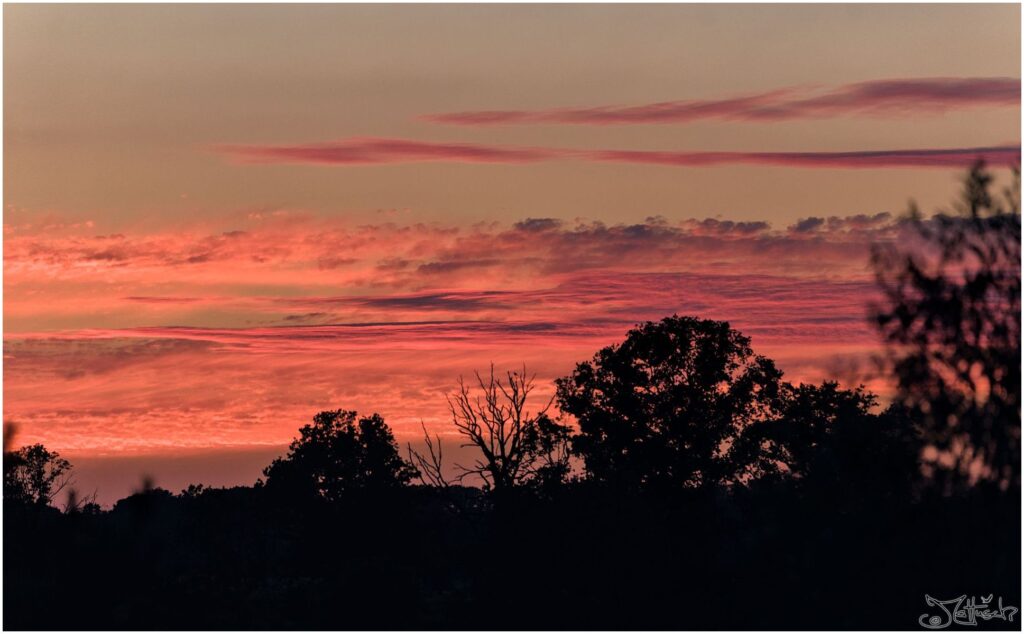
{"points": [[450, 559]]}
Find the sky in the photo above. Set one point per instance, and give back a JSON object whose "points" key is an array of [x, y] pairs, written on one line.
{"points": [[222, 219]]}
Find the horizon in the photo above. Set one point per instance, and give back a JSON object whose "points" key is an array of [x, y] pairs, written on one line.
{"points": [[221, 220]]}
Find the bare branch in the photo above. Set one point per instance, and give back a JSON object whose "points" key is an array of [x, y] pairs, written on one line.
{"points": [[493, 417], [430, 467]]}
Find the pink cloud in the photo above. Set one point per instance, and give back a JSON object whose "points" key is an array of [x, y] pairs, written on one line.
{"points": [[164, 388], [194, 274], [363, 151], [893, 97], [159, 351]]}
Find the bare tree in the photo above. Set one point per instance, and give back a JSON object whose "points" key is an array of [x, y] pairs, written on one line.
{"points": [[79, 504], [430, 466], [515, 445]]}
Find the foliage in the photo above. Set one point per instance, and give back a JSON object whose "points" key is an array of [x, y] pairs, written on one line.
{"points": [[338, 454], [665, 407], [35, 475], [951, 320], [829, 440]]}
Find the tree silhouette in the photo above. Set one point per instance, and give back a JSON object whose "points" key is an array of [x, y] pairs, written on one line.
{"points": [[666, 406], [337, 454], [516, 447], [35, 475], [828, 439], [820, 497], [951, 321]]}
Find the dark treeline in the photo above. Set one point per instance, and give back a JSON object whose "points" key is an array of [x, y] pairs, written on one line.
{"points": [[676, 480]]}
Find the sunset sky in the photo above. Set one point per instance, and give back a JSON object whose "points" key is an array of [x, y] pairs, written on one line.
{"points": [[219, 220]]}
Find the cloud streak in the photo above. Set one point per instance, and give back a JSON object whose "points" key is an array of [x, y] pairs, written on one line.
{"points": [[889, 97], [375, 151]]}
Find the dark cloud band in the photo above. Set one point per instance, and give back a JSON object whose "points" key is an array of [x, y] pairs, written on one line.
{"points": [[892, 97], [375, 151]]}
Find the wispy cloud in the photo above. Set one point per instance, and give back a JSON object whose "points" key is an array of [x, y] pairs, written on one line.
{"points": [[947, 157], [374, 151], [890, 97], [370, 151]]}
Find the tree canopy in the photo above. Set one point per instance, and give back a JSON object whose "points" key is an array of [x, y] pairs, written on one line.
{"points": [[339, 453], [951, 320], [667, 405]]}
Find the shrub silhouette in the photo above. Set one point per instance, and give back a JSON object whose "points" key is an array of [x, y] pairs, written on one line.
{"points": [[666, 406], [337, 454], [951, 319]]}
